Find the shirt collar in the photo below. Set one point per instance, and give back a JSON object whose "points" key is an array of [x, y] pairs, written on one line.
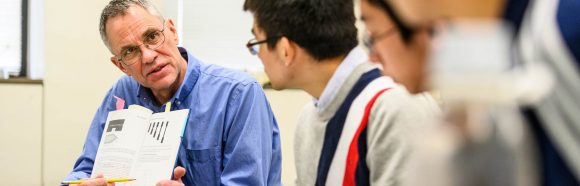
{"points": [[354, 58], [188, 83]]}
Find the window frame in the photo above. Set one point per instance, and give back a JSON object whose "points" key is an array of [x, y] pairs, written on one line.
{"points": [[24, 40]]}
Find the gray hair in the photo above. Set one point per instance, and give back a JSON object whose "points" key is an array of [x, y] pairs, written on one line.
{"points": [[120, 7]]}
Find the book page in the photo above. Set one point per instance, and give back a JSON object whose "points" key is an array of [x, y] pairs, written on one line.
{"points": [[156, 157], [120, 142]]}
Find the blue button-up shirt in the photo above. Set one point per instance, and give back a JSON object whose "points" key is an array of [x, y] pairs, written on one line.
{"points": [[231, 138]]}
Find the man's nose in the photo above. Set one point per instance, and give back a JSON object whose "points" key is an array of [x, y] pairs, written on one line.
{"points": [[148, 55]]}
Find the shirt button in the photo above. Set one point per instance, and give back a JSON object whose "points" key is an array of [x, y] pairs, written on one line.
{"points": [[178, 102]]}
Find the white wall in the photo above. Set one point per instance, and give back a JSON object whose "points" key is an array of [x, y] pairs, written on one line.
{"points": [[208, 29], [286, 106], [78, 74], [20, 134]]}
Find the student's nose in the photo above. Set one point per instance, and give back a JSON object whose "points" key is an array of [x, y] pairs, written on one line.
{"points": [[374, 57]]}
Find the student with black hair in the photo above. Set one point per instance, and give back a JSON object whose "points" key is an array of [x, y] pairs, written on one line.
{"points": [[356, 130]]}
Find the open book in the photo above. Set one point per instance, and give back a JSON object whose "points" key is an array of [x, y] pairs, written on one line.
{"points": [[139, 144]]}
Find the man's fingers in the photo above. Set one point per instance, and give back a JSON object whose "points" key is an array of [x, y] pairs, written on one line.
{"points": [[169, 183], [98, 180], [178, 172], [94, 182]]}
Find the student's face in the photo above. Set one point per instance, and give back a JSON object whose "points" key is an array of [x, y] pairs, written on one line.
{"points": [[405, 63], [421, 12], [161, 68], [274, 65]]}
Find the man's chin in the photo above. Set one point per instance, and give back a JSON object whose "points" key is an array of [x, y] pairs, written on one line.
{"points": [[161, 84]]}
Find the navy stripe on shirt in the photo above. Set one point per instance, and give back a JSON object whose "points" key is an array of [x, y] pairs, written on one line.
{"points": [[361, 176], [336, 124], [554, 170], [569, 23], [514, 13]]}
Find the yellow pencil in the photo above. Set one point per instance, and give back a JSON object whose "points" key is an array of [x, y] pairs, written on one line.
{"points": [[114, 180]]}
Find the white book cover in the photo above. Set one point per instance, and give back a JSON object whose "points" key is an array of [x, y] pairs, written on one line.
{"points": [[139, 144]]}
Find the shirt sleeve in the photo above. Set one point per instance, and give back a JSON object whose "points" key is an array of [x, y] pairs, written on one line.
{"points": [[84, 164], [393, 119], [251, 142]]}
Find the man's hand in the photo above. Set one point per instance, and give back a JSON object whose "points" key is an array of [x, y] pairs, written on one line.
{"points": [[97, 181], [178, 172]]}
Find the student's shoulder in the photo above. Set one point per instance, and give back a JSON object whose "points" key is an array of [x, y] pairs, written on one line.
{"points": [[397, 102], [393, 96], [401, 106]]}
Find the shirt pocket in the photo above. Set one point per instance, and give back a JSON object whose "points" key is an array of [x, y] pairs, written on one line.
{"points": [[205, 166]]}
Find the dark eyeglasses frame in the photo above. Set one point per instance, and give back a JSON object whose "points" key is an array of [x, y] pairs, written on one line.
{"points": [[253, 42], [404, 29], [120, 58], [369, 41]]}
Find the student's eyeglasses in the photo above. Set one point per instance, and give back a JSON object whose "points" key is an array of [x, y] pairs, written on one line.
{"points": [[254, 45], [406, 31], [369, 41], [152, 39]]}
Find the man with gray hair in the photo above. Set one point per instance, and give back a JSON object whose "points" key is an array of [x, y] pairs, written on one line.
{"points": [[231, 137]]}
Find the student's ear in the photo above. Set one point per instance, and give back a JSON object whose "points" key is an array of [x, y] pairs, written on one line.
{"points": [[171, 27], [118, 64], [286, 50]]}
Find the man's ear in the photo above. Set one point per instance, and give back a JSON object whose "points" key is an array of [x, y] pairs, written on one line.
{"points": [[171, 27], [286, 51], [117, 63]]}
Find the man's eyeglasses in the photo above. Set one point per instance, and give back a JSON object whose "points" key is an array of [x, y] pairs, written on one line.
{"points": [[369, 41], [254, 45], [152, 40]]}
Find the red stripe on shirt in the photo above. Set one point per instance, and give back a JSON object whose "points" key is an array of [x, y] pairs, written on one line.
{"points": [[352, 156]]}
